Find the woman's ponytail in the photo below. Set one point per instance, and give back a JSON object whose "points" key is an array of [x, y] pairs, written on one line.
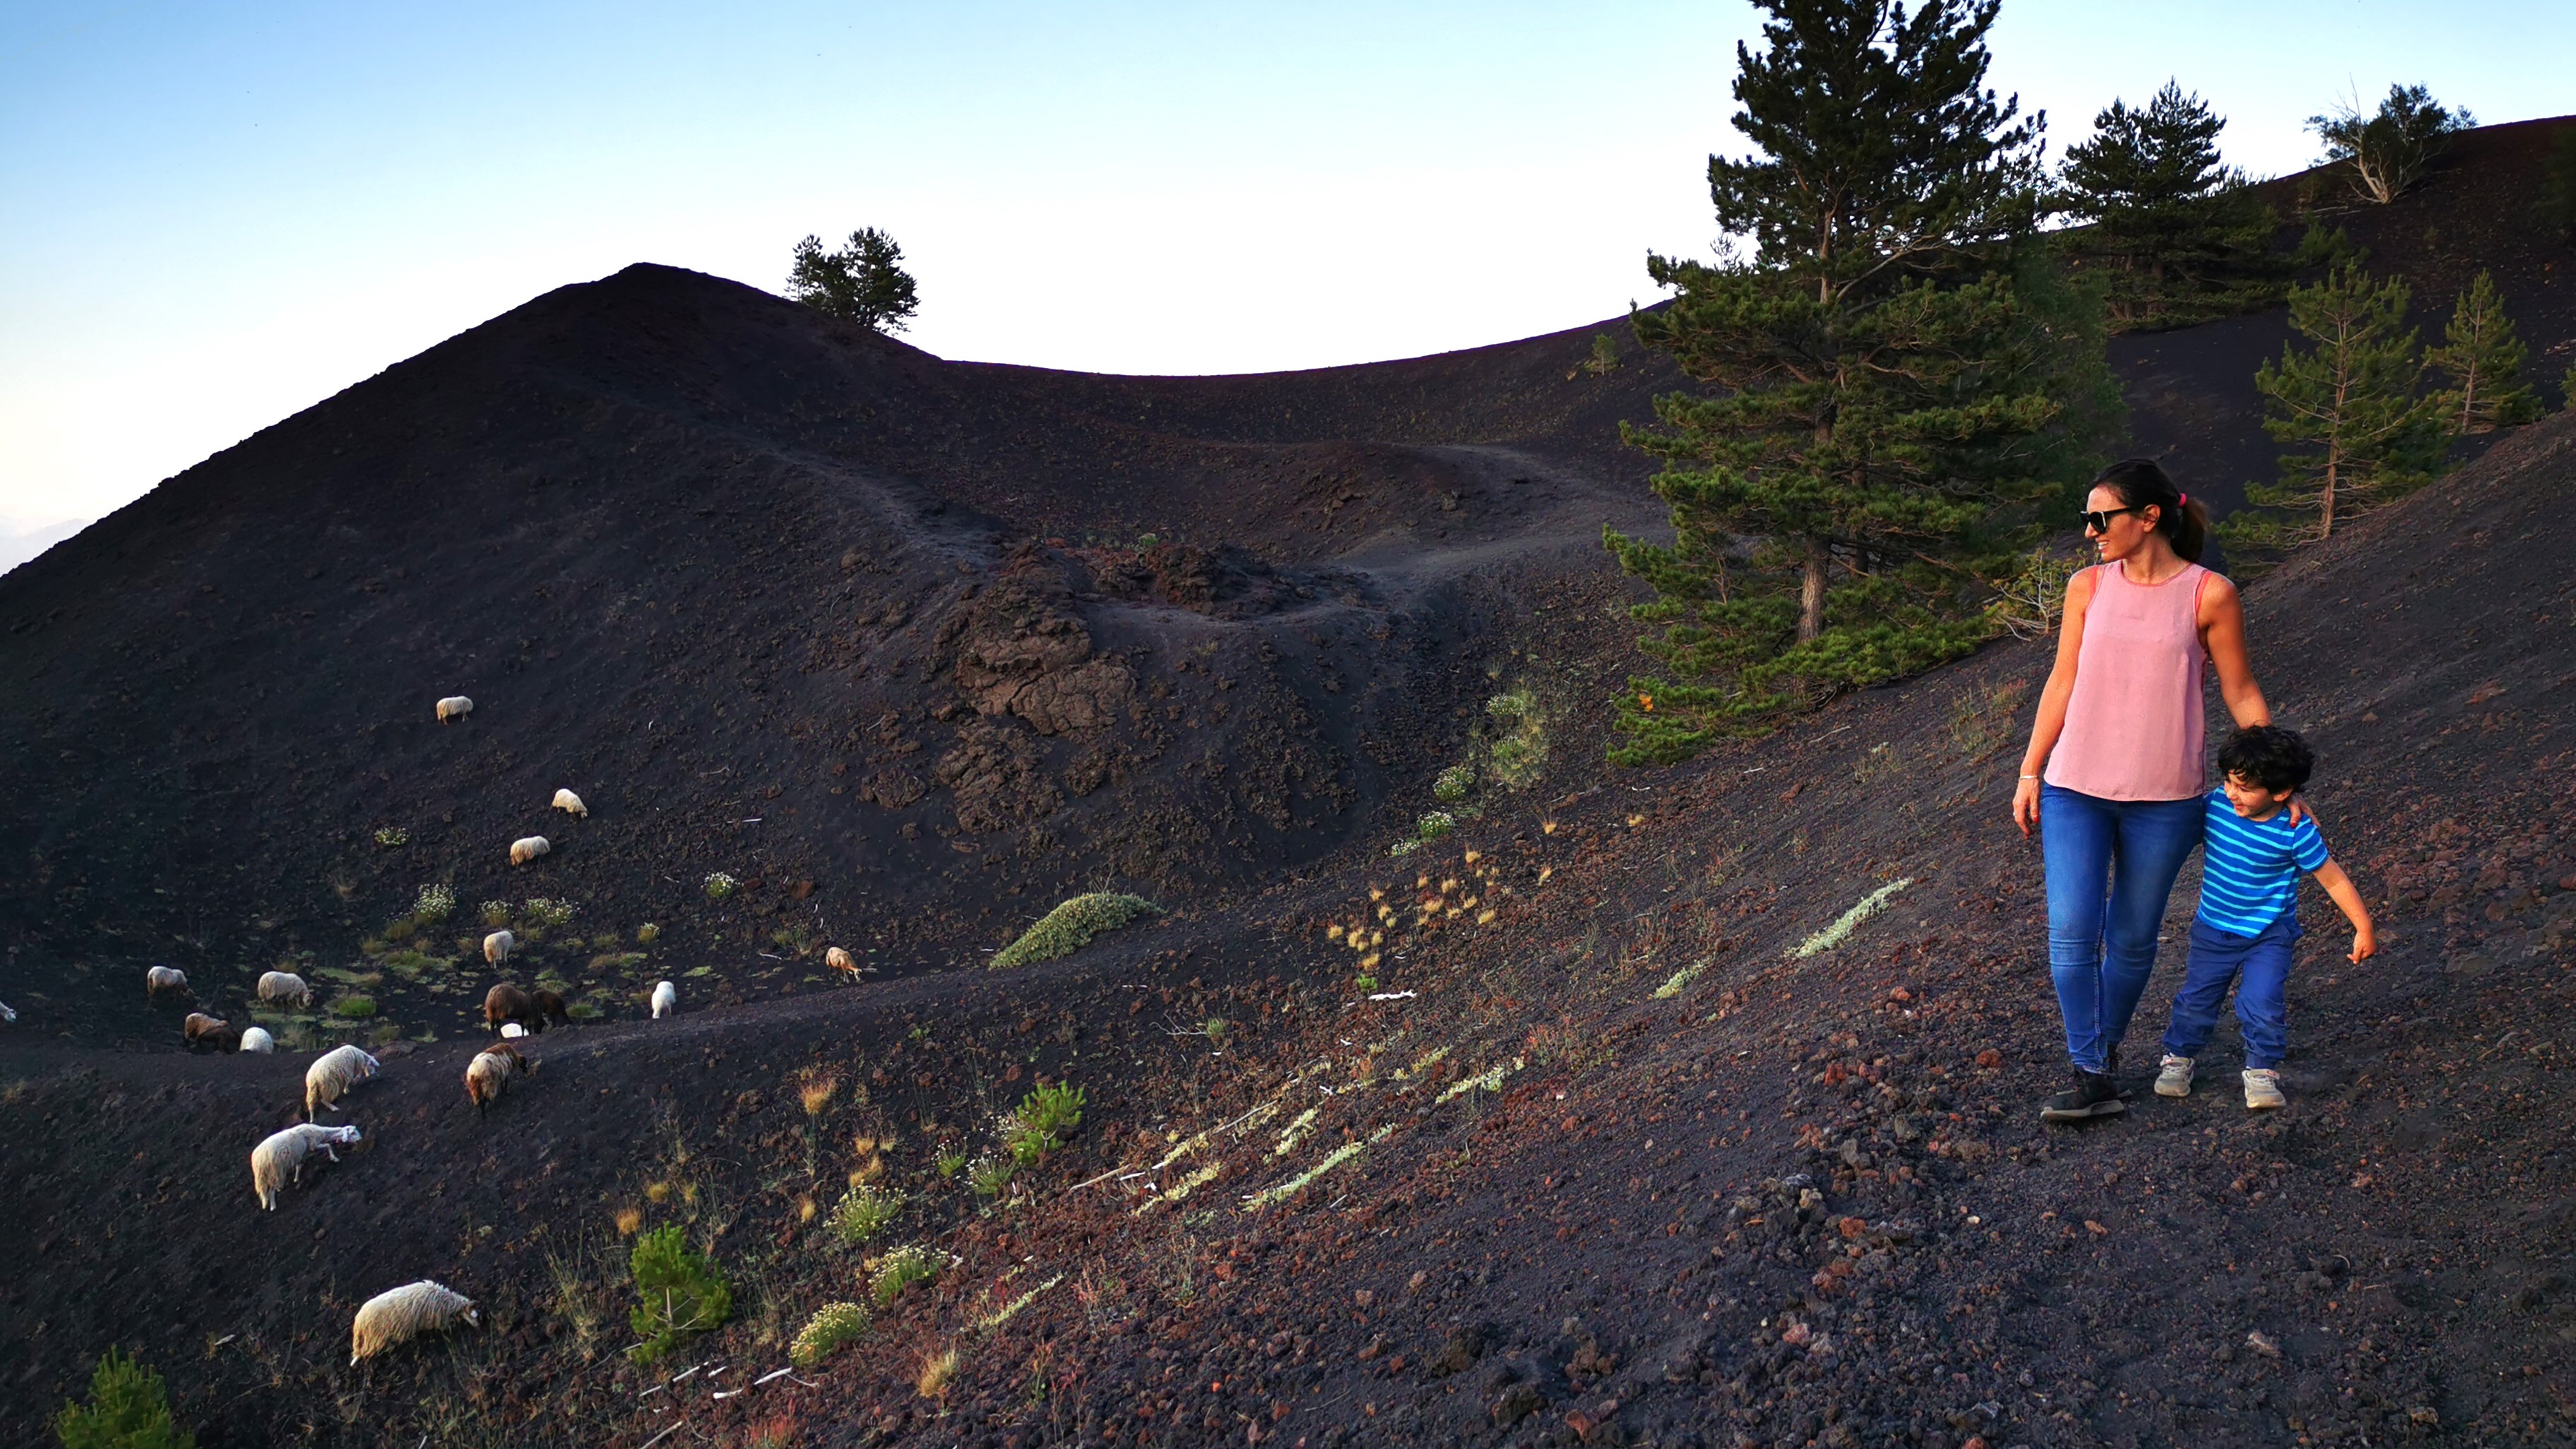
{"points": [[2182, 519]]}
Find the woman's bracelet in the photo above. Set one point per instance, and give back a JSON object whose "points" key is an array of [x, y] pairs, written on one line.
{"points": [[2030, 777]]}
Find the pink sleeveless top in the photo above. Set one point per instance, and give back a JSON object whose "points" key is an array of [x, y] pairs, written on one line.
{"points": [[2133, 726]]}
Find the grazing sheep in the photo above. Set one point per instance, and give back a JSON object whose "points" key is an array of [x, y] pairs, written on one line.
{"points": [[497, 947], [279, 1159], [164, 978], [666, 999], [6, 1014], [489, 1073], [455, 706], [839, 960], [570, 803], [257, 1039], [511, 1029], [284, 986], [333, 1074], [203, 1030], [398, 1315], [531, 1009], [523, 851]]}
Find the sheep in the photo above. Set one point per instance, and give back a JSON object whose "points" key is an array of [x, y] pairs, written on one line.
{"points": [[511, 1029], [455, 706], [523, 851], [333, 1074], [839, 960], [164, 978], [257, 1039], [498, 946], [398, 1315], [489, 1073], [279, 1159], [7, 1015], [666, 999], [284, 986], [203, 1030], [531, 1009], [570, 803]]}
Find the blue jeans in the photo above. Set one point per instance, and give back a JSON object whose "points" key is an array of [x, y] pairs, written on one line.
{"points": [[2102, 945], [2262, 998]]}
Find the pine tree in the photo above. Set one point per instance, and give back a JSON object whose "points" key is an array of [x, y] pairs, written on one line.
{"points": [[2350, 401], [2391, 148], [1892, 372], [2483, 360], [128, 1408], [2176, 234], [863, 282]]}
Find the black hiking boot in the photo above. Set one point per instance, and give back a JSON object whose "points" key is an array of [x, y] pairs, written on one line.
{"points": [[2093, 1095]]}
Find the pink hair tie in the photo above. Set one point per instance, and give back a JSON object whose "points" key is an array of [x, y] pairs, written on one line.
{"points": [[2181, 498]]}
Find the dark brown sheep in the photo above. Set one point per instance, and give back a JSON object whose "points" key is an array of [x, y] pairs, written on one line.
{"points": [[530, 1009], [204, 1030]]}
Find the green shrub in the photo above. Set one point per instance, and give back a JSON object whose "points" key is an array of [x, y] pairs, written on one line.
{"points": [[549, 912], [128, 1408], [647, 933], [832, 1325], [719, 885], [683, 1293], [989, 1175], [1051, 1112], [494, 913], [950, 1162], [392, 837], [1214, 1029], [864, 1211], [1453, 784], [1069, 927], [355, 1008], [901, 1269], [1435, 824]]}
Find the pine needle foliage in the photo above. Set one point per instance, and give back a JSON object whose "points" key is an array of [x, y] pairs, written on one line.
{"points": [[1069, 927], [683, 1292], [863, 282], [2174, 234], [128, 1408], [2481, 358], [1893, 379], [2348, 403], [2391, 148]]}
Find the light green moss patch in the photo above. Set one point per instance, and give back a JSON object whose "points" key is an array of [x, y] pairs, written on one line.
{"points": [[1069, 927]]}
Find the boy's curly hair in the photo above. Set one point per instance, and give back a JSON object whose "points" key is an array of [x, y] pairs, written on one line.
{"points": [[2272, 757]]}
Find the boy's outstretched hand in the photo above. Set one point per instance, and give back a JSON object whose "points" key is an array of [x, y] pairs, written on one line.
{"points": [[2365, 938], [2365, 944]]}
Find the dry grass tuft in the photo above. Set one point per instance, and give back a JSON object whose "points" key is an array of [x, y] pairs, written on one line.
{"points": [[938, 1371]]}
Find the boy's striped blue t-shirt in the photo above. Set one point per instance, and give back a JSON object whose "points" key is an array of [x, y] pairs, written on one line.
{"points": [[2250, 869]]}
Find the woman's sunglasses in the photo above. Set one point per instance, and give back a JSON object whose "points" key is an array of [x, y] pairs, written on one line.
{"points": [[2100, 522]]}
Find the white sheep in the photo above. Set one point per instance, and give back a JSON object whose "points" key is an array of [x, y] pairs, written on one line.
{"points": [[570, 803], [284, 986], [488, 1075], [164, 978], [498, 946], [666, 999], [333, 1074], [523, 851], [6, 1014], [398, 1315], [257, 1039], [279, 1159], [455, 706], [839, 960], [510, 1029]]}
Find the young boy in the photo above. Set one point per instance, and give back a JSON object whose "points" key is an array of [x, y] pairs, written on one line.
{"points": [[2249, 911]]}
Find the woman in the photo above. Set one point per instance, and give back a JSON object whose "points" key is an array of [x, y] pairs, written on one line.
{"points": [[2113, 776]]}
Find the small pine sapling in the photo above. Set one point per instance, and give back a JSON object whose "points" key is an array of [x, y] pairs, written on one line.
{"points": [[128, 1408], [2482, 359], [683, 1292]]}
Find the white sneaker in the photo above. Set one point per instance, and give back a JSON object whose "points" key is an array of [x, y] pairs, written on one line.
{"points": [[2263, 1090], [2173, 1079]]}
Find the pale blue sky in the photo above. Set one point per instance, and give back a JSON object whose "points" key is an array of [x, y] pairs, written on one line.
{"points": [[213, 215]]}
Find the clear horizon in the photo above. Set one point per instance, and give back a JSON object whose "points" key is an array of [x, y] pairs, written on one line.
{"points": [[220, 216]]}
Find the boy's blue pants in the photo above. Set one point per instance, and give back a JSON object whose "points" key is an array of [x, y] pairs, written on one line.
{"points": [[2262, 996]]}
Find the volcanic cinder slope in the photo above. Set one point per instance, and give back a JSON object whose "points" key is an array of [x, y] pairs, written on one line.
{"points": [[1612, 1148]]}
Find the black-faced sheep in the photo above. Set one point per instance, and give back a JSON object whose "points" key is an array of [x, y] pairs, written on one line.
{"points": [[398, 1315], [279, 1159], [257, 1039], [333, 1074], [525, 850], [164, 978], [455, 706], [531, 1009], [498, 946], [666, 999], [284, 986], [570, 804], [203, 1030], [488, 1075]]}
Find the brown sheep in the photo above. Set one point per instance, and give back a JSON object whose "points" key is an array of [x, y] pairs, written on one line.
{"points": [[490, 1072], [204, 1030], [530, 1009]]}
